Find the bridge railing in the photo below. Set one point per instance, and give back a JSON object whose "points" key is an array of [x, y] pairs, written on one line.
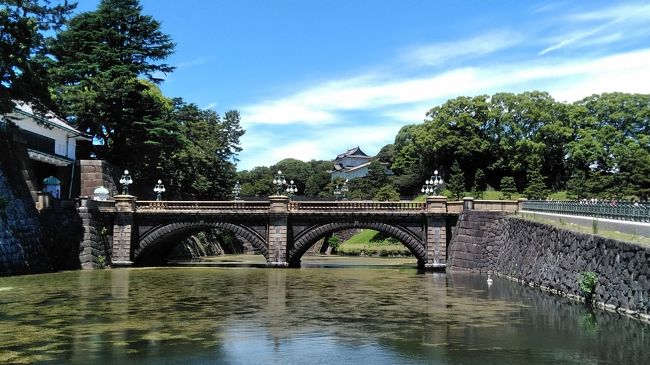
{"points": [[356, 206], [630, 211], [240, 205]]}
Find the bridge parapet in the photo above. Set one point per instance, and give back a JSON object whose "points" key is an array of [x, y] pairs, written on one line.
{"points": [[356, 206], [235, 205]]}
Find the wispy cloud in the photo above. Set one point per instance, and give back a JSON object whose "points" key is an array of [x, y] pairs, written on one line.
{"points": [[571, 39], [616, 23], [195, 62], [211, 105], [481, 45]]}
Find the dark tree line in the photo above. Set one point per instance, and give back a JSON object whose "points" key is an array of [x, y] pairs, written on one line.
{"points": [[100, 70]]}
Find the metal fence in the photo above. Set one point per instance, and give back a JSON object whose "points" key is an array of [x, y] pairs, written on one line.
{"points": [[629, 211]]}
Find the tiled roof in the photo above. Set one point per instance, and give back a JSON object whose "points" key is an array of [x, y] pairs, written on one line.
{"points": [[353, 152]]}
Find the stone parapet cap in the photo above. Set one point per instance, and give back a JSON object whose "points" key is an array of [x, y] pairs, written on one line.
{"points": [[437, 204], [124, 203]]}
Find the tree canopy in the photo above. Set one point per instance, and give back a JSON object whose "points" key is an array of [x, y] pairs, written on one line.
{"points": [[597, 146], [25, 26]]}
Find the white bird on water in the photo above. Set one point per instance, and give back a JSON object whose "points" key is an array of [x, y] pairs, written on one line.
{"points": [[489, 281]]}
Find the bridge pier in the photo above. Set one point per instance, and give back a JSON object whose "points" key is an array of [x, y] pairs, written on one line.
{"points": [[277, 231], [436, 233], [123, 230]]}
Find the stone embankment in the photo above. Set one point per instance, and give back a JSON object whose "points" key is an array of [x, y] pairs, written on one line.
{"points": [[553, 259], [31, 242]]}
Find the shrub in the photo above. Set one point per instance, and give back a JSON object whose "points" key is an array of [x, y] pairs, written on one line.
{"points": [[587, 283]]}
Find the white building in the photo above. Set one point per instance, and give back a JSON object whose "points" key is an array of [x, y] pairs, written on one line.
{"points": [[352, 164], [51, 144]]}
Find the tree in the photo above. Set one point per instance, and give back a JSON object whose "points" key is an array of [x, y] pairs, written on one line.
{"points": [[508, 187], [387, 193], [24, 26], [456, 183], [202, 167], [101, 56], [479, 183], [536, 188]]}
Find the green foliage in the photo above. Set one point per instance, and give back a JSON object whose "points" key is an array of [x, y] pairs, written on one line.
{"points": [[101, 56], [595, 147], [456, 182], [508, 187], [387, 193], [479, 184], [536, 189], [587, 282], [312, 178], [25, 27], [206, 140], [101, 262], [334, 242]]}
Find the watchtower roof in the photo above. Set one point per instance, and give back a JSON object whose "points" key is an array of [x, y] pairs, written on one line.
{"points": [[356, 152]]}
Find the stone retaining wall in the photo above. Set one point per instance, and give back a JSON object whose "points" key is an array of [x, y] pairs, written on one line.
{"points": [[545, 256], [21, 251]]}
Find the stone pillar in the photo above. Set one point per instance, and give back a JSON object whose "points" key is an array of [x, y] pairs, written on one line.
{"points": [[122, 230], [468, 203], [436, 233], [520, 204], [277, 232]]}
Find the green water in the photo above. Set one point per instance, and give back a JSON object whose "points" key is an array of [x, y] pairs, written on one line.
{"points": [[347, 312]]}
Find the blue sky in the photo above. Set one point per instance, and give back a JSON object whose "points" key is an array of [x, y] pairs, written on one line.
{"points": [[314, 78]]}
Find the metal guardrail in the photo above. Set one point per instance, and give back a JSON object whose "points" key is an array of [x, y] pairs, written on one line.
{"points": [[629, 211], [341, 206], [202, 205]]}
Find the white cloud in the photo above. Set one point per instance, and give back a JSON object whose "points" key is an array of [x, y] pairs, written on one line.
{"points": [[571, 39], [440, 53], [617, 23], [211, 105]]}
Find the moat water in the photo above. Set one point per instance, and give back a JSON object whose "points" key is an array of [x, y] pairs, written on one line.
{"points": [[331, 311]]}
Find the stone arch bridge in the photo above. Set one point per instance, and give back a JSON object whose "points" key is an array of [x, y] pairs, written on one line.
{"points": [[131, 232]]}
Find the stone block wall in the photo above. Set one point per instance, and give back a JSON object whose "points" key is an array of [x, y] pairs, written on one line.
{"points": [[95, 173], [62, 233], [553, 259], [96, 236]]}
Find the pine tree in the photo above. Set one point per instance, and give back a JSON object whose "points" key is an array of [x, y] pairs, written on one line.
{"points": [[24, 26], [508, 187], [102, 58], [479, 184], [456, 184], [536, 189]]}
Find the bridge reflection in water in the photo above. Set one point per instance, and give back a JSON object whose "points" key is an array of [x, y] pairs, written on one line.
{"points": [[143, 232], [311, 315]]}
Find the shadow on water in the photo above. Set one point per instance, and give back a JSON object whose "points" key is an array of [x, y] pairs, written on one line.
{"points": [[351, 314]]}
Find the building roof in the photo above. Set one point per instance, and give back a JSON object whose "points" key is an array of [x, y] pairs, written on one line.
{"points": [[353, 152], [49, 119]]}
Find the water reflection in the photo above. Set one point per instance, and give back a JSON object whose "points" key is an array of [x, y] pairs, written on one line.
{"points": [[312, 315]]}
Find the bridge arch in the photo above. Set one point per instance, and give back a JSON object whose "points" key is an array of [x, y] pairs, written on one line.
{"points": [[156, 243], [310, 236]]}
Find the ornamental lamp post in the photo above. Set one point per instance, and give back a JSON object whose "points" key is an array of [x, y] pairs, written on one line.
{"points": [[125, 181], [433, 185], [337, 192], [159, 189], [236, 190], [279, 182], [344, 190], [291, 189]]}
